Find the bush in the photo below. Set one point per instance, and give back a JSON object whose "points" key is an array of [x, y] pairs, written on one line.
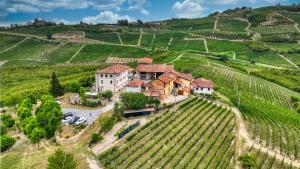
{"points": [[107, 94], [61, 158], [6, 142], [96, 138], [107, 123], [90, 103], [257, 46], [248, 160], [74, 86], [134, 100], [7, 120]]}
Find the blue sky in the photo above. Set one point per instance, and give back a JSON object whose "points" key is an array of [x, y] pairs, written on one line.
{"points": [[109, 11]]}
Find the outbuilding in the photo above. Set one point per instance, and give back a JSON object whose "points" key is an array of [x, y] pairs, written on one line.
{"points": [[203, 86], [134, 86]]}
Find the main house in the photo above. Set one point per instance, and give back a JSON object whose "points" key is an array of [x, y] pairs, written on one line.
{"points": [[155, 80], [113, 78]]}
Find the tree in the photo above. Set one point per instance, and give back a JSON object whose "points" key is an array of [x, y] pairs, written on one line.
{"points": [[49, 115], [74, 86], [61, 160], [133, 100], [139, 22], [30, 124], [37, 135], [107, 94], [6, 142], [248, 160], [81, 94], [55, 88], [32, 99], [223, 58], [96, 138]]}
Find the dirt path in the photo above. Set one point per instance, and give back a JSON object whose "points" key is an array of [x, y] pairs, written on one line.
{"points": [[216, 25], [205, 45], [178, 57], [140, 38], [292, 63], [109, 139], [243, 133], [121, 42], [93, 163], [75, 54], [154, 36], [13, 46], [169, 44]]}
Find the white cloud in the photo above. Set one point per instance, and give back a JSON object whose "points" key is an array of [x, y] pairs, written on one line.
{"points": [[188, 9], [223, 2], [33, 6], [66, 22], [106, 17]]}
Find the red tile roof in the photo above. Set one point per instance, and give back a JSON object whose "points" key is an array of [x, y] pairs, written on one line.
{"points": [[145, 60], [114, 69], [154, 68], [185, 76], [171, 75], [164, 78], [135, 83], [200, 82]]}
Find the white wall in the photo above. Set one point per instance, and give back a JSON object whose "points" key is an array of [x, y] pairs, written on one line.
{"points": [[113, 82], [203, 91], [133, 89]]}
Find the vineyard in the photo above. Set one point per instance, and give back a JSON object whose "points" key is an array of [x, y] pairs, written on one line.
{"points": [[197, 135], [274, 29], [225, 36]]}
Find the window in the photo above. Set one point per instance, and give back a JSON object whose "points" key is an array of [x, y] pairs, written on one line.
{"points": [[105, 76], [201, 88], [208, 89], [110, 76], [111, 82], [197, 88], [101, 75]]}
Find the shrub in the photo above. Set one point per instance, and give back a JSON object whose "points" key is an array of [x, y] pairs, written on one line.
{"points": [[107, 94], [257, 46], [6, 142], [133, 100], [61, 158], [7, 120], [96, 138], [248, 160], [74, 86], [107, 123]]}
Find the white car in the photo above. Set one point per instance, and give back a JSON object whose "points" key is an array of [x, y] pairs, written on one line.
{"points": [[67, 120], [82, 120]]}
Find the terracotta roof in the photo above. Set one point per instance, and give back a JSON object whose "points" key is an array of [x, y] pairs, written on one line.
{"points": [[200, 82], [135, 83], [185, 76], [155, 68], [164, 78], [147, 84], [178, 81], [145, 60], [114, 69], [171, 75]]}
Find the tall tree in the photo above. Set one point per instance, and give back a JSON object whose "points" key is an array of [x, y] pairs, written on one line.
{"points": [[55, 88], [37, 135], [61, 160]]}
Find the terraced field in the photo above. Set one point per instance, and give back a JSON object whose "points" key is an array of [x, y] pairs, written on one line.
{"points": [[225, 46], [275, 29], [198, 135], [227, 24]]}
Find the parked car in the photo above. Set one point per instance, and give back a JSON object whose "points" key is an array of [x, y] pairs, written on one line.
{"points": [[74, 119], [68, 120], [82, 120], [67, 115]]}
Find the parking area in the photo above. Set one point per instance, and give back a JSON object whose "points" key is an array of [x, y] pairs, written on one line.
{"points": [[89, 115]]}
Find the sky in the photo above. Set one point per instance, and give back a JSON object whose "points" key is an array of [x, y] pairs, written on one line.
{"points": [[109, 11]]}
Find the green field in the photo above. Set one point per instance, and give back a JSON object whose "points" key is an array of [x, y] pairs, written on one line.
{"points": [[230, 25], [29, 50], [130, 39], [196, 45], [225, 46], [7, 41], [63, 53], [103, 36], [198, 135], [295, 58], [269, 58], [274, 29], [200, 24]]}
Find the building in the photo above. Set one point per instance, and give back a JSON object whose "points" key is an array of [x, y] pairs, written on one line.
{"points": [[134, 86], [148, 72], [68, 35], [203, 86], [113, 78], [145, 61]]}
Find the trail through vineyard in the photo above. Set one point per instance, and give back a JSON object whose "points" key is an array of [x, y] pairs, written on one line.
{"points": [[243, 133]]}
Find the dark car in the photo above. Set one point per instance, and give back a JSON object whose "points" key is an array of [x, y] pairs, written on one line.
{"points": [[67, 115], [74, 119]]}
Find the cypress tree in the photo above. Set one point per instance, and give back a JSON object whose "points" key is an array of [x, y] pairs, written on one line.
{"points": [[55, 88]]}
